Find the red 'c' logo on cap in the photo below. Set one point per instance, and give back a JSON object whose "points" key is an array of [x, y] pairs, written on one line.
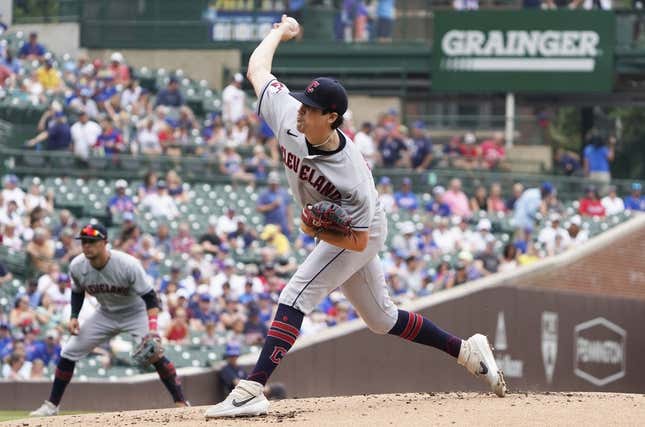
{"points": [[313, 85]]}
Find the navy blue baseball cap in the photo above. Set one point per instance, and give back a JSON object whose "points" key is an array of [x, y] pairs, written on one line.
{"points": [[324, 93], [93, 232]]}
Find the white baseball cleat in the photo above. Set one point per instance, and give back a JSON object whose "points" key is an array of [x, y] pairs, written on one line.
{"points": [[246, 399], [47, 409], [477, 356]]}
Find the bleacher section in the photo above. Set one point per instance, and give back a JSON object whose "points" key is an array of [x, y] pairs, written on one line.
{"points": [[210, 200]]}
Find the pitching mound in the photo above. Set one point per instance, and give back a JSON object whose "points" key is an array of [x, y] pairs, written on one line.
{"points": [[411, 409]]}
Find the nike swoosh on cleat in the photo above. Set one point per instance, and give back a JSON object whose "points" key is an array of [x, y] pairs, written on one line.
{"points": [[291, 134], [238, 404], [484, 368]]}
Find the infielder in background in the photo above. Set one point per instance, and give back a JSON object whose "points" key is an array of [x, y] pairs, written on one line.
{"points": [[323, 165], [128, 303]]}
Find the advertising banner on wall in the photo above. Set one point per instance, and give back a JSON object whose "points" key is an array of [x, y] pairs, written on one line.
{"points": [[523, 51], [240, 21]]}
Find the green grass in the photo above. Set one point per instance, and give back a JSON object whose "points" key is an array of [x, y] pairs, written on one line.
{"points": [[12, 415], [16, 415]]}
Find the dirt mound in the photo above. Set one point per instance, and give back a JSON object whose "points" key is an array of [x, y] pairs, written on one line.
{"points": [[410, 409]]}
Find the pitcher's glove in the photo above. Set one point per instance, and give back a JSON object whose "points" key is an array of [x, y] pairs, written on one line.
{"points": [[148, 351], [326, 216]]}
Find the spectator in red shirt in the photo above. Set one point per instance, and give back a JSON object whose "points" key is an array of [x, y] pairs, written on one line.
{"points": [[118, 68], [590, 204], [493, 151], [469, 152], [178, 328], [5, 73]]}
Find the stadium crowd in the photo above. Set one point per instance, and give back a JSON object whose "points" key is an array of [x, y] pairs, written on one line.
{"points": [[97, 108], [446, 237], [207, 294]]}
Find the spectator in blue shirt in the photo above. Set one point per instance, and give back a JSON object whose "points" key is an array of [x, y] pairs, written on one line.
{"points": [[47, 350], [405, 198], [120, 202], [243, 236], [203, 311], [255, 330], [568, 162], [532, 201], [295, 9], [231, 373], [385, 23], [110, 141], [437, 206], [597, 156], [5, 337], [12, 63], [391, 148], [275, 204], [174, 277], [32, 49], [58, 134], [635, 201], [265, 304], [32, 293], [248, 296], [421, 150], [170, 96]]}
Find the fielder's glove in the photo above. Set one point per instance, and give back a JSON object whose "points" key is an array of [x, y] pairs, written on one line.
{"points": [[148, 351], [326, 216]]}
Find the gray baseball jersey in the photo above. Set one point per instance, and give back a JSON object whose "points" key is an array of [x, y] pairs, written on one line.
{"points": [[118, 288], [342, 177]]}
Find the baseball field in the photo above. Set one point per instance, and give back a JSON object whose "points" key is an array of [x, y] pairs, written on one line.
{"points": [[410, 409]]}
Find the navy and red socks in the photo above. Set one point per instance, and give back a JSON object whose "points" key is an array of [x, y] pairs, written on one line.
{"points": [[168, 375], [62, 377], [416, 328], [286, 327], [282, 334]]}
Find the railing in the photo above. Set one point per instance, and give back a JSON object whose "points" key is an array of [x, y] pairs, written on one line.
{"points": [[442, 127], [200, 169]]}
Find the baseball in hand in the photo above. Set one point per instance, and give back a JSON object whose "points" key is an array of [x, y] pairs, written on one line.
{"points": [[293, 24]]}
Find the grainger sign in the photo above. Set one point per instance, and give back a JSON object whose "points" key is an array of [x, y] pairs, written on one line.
{"points": [[523, 51]]}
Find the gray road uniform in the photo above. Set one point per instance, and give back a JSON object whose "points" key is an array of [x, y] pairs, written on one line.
{"points": [[343, 177], [118, 288]]}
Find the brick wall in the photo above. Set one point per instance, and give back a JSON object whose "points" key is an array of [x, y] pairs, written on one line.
{"points": [[614, 268]]}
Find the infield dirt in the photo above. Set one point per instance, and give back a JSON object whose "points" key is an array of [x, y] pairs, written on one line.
{"points": [[404, 409]]}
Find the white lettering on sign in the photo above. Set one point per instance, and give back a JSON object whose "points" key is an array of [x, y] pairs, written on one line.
{"points": [[474, 50], [520, 43], [609, 352]]}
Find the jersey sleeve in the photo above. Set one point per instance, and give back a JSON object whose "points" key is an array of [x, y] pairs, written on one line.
{"points": [[361, 206], [275, 105], [74, 274], [138, 278]]}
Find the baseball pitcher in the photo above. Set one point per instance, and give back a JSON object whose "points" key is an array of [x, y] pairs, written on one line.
{"points": [[330, 179]]}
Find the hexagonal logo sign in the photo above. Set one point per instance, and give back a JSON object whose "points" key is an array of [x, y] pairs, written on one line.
{"points": [[599, 351]]}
